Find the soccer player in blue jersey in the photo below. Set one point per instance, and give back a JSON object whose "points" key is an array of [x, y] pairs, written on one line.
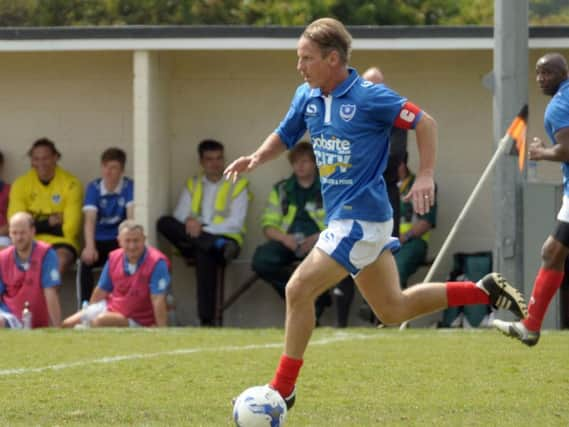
{"points": [[552, 78], [108, 202], [349, 121]]}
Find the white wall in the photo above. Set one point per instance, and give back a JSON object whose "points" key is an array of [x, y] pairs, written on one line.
{"points": [[84, 102]]}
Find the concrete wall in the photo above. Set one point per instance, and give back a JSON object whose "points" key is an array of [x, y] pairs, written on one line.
{"points": [[84, 102]]}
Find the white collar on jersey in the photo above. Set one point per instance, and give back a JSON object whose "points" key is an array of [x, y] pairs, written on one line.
{"points": [[116, 190]]}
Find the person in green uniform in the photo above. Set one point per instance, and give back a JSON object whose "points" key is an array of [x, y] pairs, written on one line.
{"points": [[292, 221]]}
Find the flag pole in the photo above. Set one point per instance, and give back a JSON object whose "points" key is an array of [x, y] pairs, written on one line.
{"points": [[502, 145]]}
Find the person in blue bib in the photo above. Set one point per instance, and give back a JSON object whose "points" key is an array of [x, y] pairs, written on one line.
{"points": [[109, 200], [349, 121]]}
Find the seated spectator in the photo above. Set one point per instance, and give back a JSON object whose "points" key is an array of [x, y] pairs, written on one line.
{"points": [[208, 223], [28, 277], [4, 193], [132, 288], [292, 222], [414, 230], [108, 202], [53, 197]]}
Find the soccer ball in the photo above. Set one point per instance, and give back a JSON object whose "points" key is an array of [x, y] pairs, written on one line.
{"points": [[259, 406]]}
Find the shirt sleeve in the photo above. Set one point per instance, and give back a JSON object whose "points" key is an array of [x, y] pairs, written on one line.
{"points": [[160, 279], [391, 109], [91, 197], [129, 194], [184, 206], [105, 282], [49, 270], [293, 126], [559, 117]]}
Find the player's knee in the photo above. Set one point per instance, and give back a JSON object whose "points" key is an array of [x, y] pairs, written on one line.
{"points": [[391, 316], [297, 292], [552, 253]]}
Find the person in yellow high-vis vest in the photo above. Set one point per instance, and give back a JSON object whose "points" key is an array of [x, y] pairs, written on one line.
{"points": [[292, 221], [208, 223], [414, 229], [54, 198]]}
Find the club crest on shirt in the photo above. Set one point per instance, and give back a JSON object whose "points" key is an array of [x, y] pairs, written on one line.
{"points": [[311, 110], [56, 198], [347, 112]]}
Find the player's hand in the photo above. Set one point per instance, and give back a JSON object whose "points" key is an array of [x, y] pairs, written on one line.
{"points": [[422, 194], [289, 241], [89, 255], [55, 219], [241, 165], [536, 148]]}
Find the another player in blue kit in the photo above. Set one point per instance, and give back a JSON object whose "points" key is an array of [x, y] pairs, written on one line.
{"points": [[349, 121], [551, 76]]}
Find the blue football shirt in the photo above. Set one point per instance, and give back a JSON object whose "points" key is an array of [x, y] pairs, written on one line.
{"points": [[556, 117], [349, 131], [110, 206]]}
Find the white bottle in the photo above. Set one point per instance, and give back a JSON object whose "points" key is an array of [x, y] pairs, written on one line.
{"points": [[27, 316], [532, 171], [84, 317]]}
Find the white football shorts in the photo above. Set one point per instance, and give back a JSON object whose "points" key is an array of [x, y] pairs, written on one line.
{"points": [[563, 214], [356, 244], [93, 310]]}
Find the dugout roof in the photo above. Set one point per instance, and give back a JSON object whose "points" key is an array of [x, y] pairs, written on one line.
{"points": [[217, 37]]}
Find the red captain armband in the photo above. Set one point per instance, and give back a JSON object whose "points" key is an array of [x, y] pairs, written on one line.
{"points": [[407, 116]]}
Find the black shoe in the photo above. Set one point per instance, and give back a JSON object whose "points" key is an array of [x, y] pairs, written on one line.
{"points": [[503, 295], [290, 399]]}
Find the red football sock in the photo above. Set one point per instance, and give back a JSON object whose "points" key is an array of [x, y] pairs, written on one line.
{"points": [[465, 293], [546, 284], [286, 375]]}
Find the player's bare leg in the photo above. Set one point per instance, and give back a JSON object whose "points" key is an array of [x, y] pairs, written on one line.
{"points": [[317, 273], [110, 319], [547, 282], [379, 285]]}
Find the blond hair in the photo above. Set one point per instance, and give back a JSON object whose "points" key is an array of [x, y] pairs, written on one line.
{"points": [[330, 34]]}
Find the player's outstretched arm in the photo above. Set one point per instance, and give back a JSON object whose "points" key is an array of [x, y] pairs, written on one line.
{"points": [[272, 147], [422, 193]]}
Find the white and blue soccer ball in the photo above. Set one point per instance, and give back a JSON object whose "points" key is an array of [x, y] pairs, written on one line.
{"points": [[259, 406]]}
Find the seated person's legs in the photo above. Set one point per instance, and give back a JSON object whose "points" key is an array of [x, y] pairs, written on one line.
{"points": [[110, 319], [7, 319], [270, 262], [66, 255], [343, 297], [104, 247], [96, 315], [175, 232], [409, 258]]}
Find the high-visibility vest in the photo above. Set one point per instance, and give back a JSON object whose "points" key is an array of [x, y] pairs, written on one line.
{"points": [[280, 210], [226, 192]]}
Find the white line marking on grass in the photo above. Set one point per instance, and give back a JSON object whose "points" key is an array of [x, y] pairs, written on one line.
{"points": [[338, 337]]}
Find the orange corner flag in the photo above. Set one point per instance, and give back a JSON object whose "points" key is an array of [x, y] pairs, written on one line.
{"points": [[517, 131]]}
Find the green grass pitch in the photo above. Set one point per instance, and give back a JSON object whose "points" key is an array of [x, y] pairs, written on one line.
{"points": [[353, 377]]}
